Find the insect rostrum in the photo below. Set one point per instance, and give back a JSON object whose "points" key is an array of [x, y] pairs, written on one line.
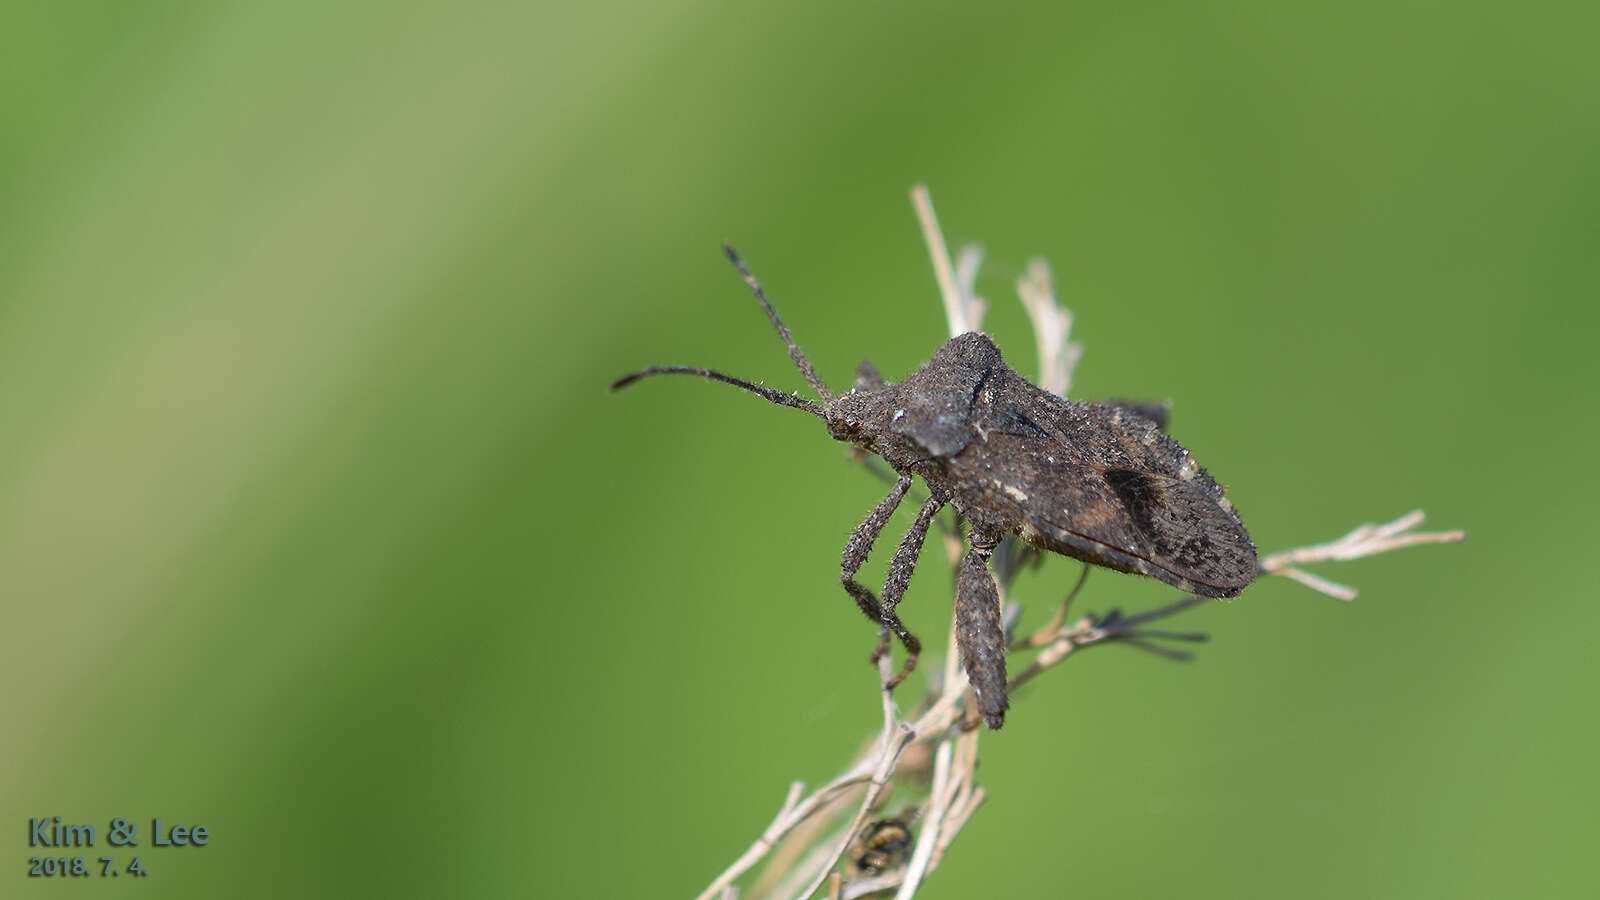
{"points": [[1099, 482]]}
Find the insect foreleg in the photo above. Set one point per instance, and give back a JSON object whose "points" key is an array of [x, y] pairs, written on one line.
{"points": [[859, 546], [894, 587]]}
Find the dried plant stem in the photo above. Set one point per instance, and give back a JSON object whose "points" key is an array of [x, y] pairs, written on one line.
{"points": [[1052, 325], [1060, 616], [947, 777], [793, 812], [893, 741], [1363, 540], [963, 313]]}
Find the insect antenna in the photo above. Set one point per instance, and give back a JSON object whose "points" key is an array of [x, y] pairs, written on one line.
{"points": [[800, 361], [775, 396]]}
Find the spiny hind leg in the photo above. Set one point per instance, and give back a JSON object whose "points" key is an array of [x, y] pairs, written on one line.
{"points": [[980, 636]]}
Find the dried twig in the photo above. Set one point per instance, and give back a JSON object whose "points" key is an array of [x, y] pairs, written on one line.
{"points": [[893, 742], [964, 312], [1363, 540], [1052, 325], [944, 726]]}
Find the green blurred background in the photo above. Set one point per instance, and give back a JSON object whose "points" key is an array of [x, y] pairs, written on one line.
{"points": [[317, 526]]}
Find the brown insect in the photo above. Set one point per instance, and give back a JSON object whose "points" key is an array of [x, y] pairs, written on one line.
{"points": [[1099, 482]]}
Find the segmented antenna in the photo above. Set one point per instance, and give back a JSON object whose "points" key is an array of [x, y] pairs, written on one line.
{"points": [[800, 361], [775, 396]]}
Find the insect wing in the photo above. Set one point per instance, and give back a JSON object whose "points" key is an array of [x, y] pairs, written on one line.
{"points": [[1110, 489]]}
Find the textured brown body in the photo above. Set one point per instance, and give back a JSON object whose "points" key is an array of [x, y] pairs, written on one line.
{"points": [[1100, 482], [1093, 481]]}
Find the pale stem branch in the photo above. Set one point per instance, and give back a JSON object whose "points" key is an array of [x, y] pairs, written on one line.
{"points": [[957, 820], [1052, 326], [892, 745], [1038, 638], [796, 878], [791, 815], [1363, 540], [955, 763], [961, 316], [968, 259]]}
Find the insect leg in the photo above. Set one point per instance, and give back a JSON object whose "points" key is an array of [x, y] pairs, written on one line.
{"points": [[979, 634], [875, 467], [894, 587], [860, 544]]}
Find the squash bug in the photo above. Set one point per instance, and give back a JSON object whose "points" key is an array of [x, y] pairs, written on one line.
{"points": [[1099, 482]]}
